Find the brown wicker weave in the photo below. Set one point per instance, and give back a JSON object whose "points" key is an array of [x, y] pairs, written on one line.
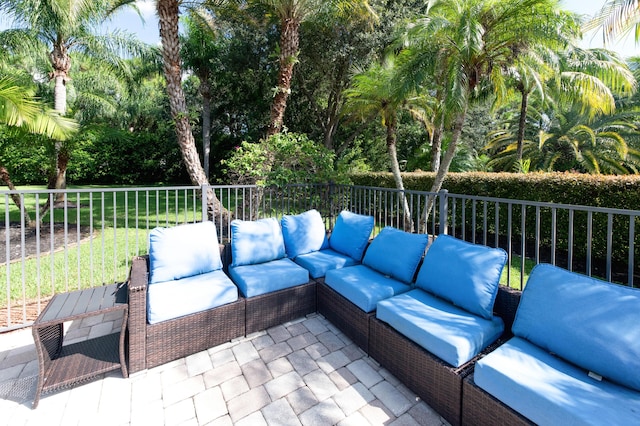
{"points": [[433, 380], [155, 344], [278, 307], [63, 366], [350, 319], [506, 305], [481, 409]]}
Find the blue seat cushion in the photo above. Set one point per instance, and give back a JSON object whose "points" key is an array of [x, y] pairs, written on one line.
{"points": [[172, 299], [256, 241], [586, 321], [396, 253], [350, 235], [319, 262], [548, 390], [447, 331], [262, 278], [363, 286], [303, 233], [462, 273], [183, 251]]}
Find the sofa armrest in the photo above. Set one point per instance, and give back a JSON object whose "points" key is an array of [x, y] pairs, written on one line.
{"points": [[137, 324], [506, 304]]}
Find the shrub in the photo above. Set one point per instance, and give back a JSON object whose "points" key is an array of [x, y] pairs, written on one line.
{"points": [[285, 158]]}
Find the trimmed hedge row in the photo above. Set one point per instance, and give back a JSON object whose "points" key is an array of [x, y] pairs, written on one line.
{"points": [[621, 192]]}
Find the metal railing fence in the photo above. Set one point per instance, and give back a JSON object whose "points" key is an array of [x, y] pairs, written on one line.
{"points": [[65, 240]]}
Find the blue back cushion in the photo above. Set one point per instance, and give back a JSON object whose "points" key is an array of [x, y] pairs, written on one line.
{"points": [[303, 233], [183, 251], [462, 273], [350, 234], [256, 241], [589, 322], [396, 253]]}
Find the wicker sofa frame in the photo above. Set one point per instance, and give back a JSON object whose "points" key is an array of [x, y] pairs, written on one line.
{"points": [[151, 345], [433, 380], [278, 307]]}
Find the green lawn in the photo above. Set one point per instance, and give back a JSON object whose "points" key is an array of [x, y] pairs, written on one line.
{"points": [[101, 259]]}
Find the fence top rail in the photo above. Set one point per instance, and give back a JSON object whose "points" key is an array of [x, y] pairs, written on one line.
{"points": [[574, 207], [122, 189], [442, 193], [406, 191]]}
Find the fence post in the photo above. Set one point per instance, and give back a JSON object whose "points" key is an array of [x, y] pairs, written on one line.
{"points": [[444, 204], [203, 194]]}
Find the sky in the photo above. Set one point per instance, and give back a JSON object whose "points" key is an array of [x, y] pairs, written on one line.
{"points": [[147, 30]]}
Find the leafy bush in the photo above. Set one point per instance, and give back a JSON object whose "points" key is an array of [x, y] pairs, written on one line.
{"points": [[285, 158]]}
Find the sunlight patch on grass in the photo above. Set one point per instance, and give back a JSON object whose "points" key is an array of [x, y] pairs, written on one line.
{"points": [[512, 276]]}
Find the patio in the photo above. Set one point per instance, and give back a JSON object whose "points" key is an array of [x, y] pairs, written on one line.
{"points": [[303, 372]]}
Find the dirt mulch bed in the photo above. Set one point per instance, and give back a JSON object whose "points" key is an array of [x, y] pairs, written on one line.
{"points": [[30, 246], [18, 316]]}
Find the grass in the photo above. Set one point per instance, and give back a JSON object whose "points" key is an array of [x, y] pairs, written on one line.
{"points": [[101, 259], [514, 272], [104, 257]]}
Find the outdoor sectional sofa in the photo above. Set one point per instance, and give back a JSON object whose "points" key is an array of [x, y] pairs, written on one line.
{"points": [[564, 351]]}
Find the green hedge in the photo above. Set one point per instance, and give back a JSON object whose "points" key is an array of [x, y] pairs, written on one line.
{"points": [[567, 188], [564, 188]]}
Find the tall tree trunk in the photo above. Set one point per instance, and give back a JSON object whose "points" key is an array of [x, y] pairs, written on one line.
{"points": [[395, 171], [289, 43], [436, 146], [61, 63], [521, 127], [448, 158], [62, 162], [205, 91], [168, 17]]}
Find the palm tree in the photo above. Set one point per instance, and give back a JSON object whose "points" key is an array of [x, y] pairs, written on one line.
{"points": [[373, 93], [536, 65], [292, 13], [588, 80], [616, 18], [168, 14], [566, 142], [463, 46], [199, 47], [19, 108], [59, 28]]}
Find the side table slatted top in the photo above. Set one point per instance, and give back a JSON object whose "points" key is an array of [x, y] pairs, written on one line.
{"points": [[62, 366]]}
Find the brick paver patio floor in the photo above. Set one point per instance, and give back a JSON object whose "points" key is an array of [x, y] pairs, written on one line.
{"points": [[301, 373]]}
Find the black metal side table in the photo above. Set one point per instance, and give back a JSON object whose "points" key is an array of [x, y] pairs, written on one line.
{"points": [[62, 366]]}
